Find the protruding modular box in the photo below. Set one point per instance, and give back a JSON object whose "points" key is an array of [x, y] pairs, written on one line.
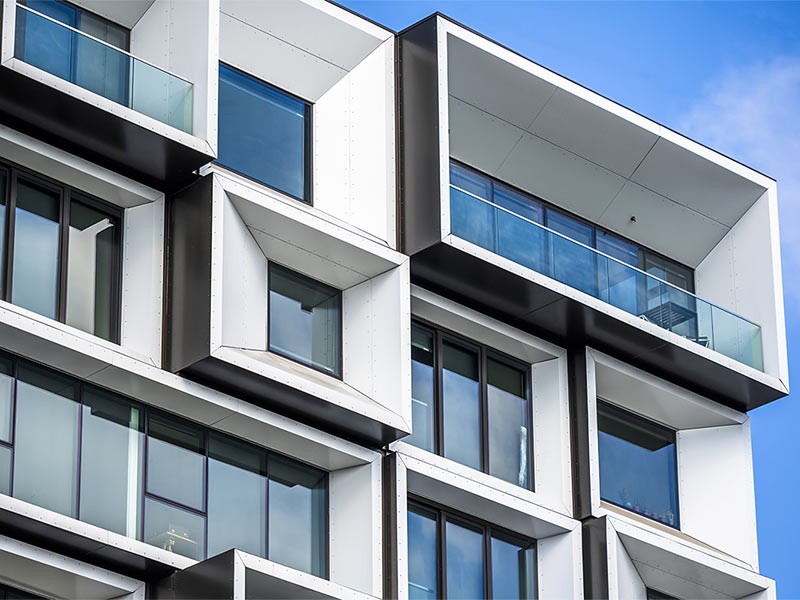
{"points": [[235, 323], [131, 86], [538, 141]]}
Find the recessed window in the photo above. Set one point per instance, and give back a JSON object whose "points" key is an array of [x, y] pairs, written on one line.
{"points": [[452, 556], [637, 464], [470, 404], [61, 258], [264, 133], [93, 455], [305, 320]]}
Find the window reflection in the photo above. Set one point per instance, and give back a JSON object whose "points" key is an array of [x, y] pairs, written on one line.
{"points": [[175, 461], [422, 388], [461, 400], [508, 423], [464, 569], [422, 572]]}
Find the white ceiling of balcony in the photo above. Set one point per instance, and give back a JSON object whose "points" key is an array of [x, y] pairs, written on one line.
{"points": [[566, 149], [304, 47], [125, 12]]}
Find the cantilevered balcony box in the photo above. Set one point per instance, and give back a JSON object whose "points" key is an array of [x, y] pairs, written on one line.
{"points": [[467, 101], [224, 236], [140, 104]]}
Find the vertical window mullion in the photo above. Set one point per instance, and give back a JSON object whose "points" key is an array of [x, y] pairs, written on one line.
{"points": [[205, 492], [268, 464], [438, 391], [487, 562], [63, 256], [11, 212], [80, 452], [441, 526], [15, 375], [483, 387]]}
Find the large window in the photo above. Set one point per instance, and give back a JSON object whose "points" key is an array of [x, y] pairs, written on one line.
{"points": [[305, 320], [637, 464], [60, 252], [98, 457], [452, 556], [264, 133], [470, 404]]}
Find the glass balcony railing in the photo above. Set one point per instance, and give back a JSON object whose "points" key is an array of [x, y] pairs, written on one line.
{"points": [[550, 253], [99, 67]]}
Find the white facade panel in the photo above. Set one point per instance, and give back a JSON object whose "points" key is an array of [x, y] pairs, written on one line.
{"points": [[624, 582], [560, 566]]}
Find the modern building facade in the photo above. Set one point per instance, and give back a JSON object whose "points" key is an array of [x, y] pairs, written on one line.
{"points": [[296, 306]]}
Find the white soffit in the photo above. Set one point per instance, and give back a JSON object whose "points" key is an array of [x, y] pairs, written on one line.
{"points": [[576, 149], [123, 12]]}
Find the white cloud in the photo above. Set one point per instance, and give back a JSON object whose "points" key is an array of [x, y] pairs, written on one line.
{"points": [[752, 114]]}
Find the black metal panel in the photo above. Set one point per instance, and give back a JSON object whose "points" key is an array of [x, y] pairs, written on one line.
{"points": [[595, 560], [92, 133], [211, 578], [391, 584], [188, 275], [67, 543], [550, 315], [579, 432], [419, 150], [291, 402]]}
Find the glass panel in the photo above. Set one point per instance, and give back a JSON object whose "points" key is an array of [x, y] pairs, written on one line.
{"points": [[237, 477], [618, 282], [422, 560], [43, 43], [3, 192], [462, 425], [112, 457], [46, 442], [573, 264], [472, 219], [737, 338], [6, 391], [513, 568], [175, 461], [298, 520], [97, 67], [637, 465], [305, 320], [91, 270], [465, 568], [422, 390], [522, 242], [262, 132], [36, 238], [508, 424], [174, 529], [5, 470], [471, 181], [162, 96]]}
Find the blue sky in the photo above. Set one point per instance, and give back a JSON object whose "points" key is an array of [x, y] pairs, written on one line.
{"points": [[728, 75]]}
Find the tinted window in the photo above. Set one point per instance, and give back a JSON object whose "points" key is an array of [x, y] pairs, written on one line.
{"points": [[422, 388]]}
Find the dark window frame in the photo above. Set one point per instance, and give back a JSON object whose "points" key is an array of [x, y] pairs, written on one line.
{"points": [[66, 194], [147, 412], [308, 139], [548, 206], [657, 428], [444, 514], [485, 353], [339, 374]]}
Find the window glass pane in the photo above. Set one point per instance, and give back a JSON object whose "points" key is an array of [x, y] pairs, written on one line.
{"points": [[305, 320], [471, 181], [100, 68], [6, 390], [91, 270], [5, 470], [41, 42], [237, 497], [175, 461], [508, 423], [298, 521], [513, 568], [465, 568], [262, 132], [112, 456], [517, 239], [422, 407], [471, 219], [573, 264], [620, 285], [422, 560], [46, 442], [174, 529], [637, 465], [36, 236], [462, 427]]}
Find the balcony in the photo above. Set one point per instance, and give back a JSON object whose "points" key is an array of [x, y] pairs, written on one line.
{"points": [[711, 320], [118, 84], [604, 277], [98, 66]]}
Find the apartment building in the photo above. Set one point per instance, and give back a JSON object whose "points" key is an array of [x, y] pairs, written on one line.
{"points": [[296, 306]]}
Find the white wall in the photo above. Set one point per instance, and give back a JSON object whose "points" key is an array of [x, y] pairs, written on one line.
{"points": [[743, 274], [624, 582], [354, 147]]}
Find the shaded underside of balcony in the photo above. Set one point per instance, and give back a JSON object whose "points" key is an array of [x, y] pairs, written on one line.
{"points": [[568, 322], [95, 134]]}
